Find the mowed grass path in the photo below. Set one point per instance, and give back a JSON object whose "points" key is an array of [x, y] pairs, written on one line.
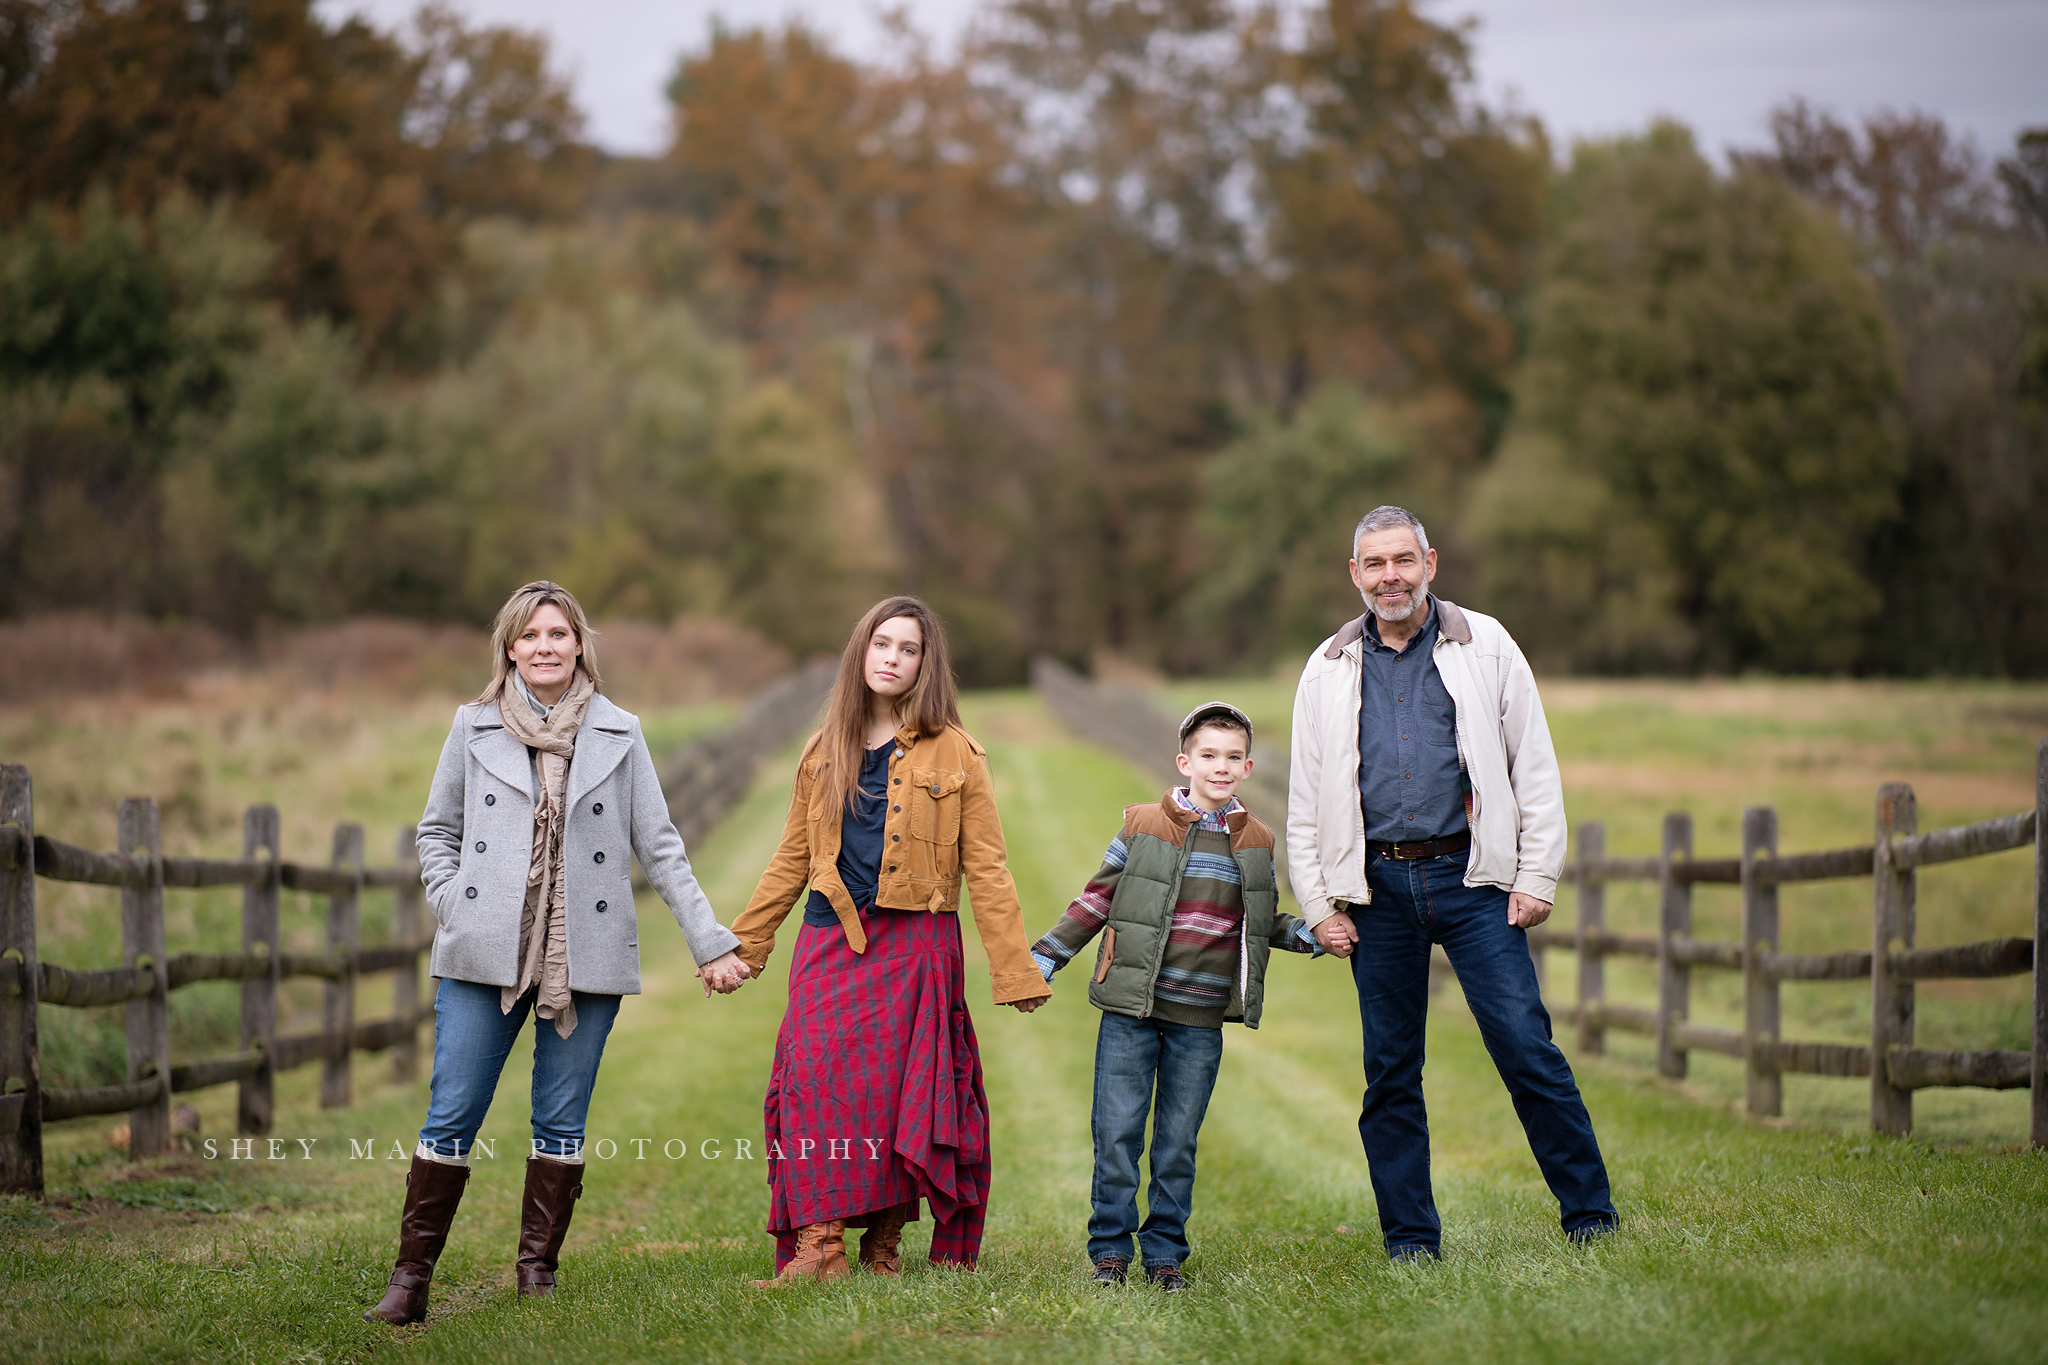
{"points": [[1741, 1241]]}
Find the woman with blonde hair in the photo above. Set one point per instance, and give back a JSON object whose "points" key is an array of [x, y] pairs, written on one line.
{"points": [[876, 1099], [544, 794]]}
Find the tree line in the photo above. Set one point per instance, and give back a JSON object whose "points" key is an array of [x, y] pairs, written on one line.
{"points": [[1098, 333]]}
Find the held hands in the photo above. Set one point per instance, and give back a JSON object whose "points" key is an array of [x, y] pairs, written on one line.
{"points": [[723, 974], [1526, 912], [1026, 1006], [1338, 935]]}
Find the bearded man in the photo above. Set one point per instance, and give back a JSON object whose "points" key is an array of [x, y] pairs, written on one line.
{"points": [[1424, 807]]}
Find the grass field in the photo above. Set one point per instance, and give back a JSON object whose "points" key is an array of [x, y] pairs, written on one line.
{"points": [[1800, 1240]]}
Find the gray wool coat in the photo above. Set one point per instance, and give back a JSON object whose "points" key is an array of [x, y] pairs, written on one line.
{"points": [[476, 841]]}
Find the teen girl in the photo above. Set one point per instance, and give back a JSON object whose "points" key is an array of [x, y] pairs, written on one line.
{"points": [[876, 1099]]}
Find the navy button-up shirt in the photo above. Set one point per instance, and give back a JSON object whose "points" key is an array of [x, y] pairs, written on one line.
{"points": [[860, 840], [1409, 781]]}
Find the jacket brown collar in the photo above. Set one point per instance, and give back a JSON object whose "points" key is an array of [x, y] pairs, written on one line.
{"points": [[1451, 622]]}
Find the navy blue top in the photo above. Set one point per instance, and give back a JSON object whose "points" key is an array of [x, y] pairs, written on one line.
{"points": [[860, 840], [1409, 782]]}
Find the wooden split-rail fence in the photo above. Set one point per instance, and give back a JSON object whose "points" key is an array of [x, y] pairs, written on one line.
{"points": [[702, 781], [142, 873], [1889, 967]]}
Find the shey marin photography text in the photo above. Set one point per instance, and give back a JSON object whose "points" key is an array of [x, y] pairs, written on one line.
{"points": [[603, 1149]]}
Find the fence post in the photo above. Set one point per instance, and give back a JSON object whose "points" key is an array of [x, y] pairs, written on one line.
{"points": [[142, 943], [2040, 1078], [338, 1015], [256, 1100], [405, 982], [1592, 920], [1891, 1000], [1760, 936], [1674, 978], [21, 1151]]}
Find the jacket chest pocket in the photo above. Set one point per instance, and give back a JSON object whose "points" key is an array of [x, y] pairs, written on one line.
{"points": [[934, 801]]}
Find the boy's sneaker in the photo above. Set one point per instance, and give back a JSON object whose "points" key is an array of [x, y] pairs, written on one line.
{"points": [[1110, 1270], [1167, 1277]]}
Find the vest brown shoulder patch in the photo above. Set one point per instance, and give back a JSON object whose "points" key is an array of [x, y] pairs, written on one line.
{"points": [[1255, 834], [1151, 819]]}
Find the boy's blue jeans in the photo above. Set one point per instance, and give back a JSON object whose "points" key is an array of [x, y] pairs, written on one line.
{"points": [[472, 1037], [1416, 903], [1168, 1070]]}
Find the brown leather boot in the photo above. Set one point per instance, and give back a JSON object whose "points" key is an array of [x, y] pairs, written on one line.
{"points": [[820, 1255], [432, 1191], [880, 1244], [552, 1188]]}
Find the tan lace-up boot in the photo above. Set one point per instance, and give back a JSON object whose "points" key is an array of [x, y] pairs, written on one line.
{"points": [[880, 1245], [820, 1255]]}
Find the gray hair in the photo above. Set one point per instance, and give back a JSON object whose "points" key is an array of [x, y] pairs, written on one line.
{"points": [[1386, 519]]}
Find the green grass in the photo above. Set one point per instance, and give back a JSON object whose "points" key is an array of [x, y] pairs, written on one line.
{"points": [[1743, 1241]]}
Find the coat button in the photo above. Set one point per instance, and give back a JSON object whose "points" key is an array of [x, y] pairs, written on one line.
{"points": [[898, 781], [892, 867], [603, 906], [935, 789], [471, 893], [895, 838], [895, 808], [600, 857], [479, 845], [597, 809], [490, 800]]}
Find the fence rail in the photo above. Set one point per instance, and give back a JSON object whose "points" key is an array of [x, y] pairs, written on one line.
{"points": [[141, 872], [1891, 965]]}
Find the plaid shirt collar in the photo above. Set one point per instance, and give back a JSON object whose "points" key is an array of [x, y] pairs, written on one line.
{"points": [[1216, 821]]}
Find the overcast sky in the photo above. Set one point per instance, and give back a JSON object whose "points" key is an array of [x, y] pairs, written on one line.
{"points": [[1587, 67]]}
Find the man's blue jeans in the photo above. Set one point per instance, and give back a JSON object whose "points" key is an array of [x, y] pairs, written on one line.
{"points": [[1414, 904], [472, 1037], [1169, 1070]]}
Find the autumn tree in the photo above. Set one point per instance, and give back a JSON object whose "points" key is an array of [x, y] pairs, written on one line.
{"points": [[356, 154], [1406, 216], [868, 246]]}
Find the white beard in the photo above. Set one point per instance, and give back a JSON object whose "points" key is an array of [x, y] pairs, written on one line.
{"points": [[1386, 613]]}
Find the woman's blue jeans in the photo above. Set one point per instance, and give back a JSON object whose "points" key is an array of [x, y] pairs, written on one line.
{"points": [[1416, 903], [473, 1035], [1167, 1070]]}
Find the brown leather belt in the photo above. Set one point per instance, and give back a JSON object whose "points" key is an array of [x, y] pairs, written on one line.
{"points": [[1425, 848]]}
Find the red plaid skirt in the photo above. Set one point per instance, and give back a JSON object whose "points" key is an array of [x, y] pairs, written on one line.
{"points": [[876, 1098]]}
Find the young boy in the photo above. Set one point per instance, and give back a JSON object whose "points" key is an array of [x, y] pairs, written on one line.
{"points": [[1188, 900]]}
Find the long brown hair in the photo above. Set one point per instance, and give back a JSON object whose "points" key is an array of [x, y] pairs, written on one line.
{"points": [[932, 703], [512, 618]]}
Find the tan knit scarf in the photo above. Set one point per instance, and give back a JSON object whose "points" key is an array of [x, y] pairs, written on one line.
{"points": [[543, 937]]}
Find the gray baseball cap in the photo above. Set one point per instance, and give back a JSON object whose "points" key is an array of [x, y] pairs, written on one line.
{"points": [[1213, 710]]}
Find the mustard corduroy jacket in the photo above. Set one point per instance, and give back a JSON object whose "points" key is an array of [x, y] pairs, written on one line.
{"points": [[941, 827]]}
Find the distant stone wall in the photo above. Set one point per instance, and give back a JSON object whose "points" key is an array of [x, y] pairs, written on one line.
{"points": [[704, 779]]}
